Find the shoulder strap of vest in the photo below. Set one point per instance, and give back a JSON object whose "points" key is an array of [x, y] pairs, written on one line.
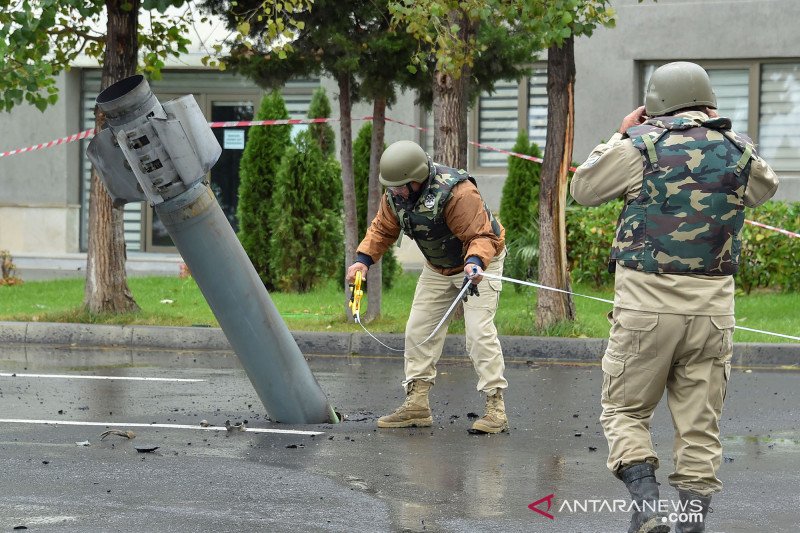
{"points": [[442, 187], [390, 201], [393, 207], [644, 138], [745, 145]]}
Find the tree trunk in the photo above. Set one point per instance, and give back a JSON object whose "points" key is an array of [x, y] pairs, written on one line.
{"points": [[348, 182], [375, 285], [449, 112], [554, 306], [106, 289], [450, 105], [449, 122]]}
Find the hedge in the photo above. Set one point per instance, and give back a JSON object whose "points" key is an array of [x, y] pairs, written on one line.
{"points": [[768, 258]]}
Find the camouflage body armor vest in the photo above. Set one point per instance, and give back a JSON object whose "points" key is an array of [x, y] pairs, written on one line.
{"points": [[425, 223], [690, 211]]}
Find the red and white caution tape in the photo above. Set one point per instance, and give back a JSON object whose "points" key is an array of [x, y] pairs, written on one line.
{"points": [[419, 128], [480, 145], [87, 134], [515, 154], [773, 228], [75, 137], [230, 124], [276, 122]]}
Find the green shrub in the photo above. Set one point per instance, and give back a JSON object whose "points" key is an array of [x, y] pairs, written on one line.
{"points": [[768, 258], [590, 231], [519, 212], [322, 133], [260, 160], [307, 232], [361, 154]]}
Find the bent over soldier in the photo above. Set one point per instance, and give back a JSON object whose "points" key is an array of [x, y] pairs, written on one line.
{"points": [[441, 209], [686, 178]]}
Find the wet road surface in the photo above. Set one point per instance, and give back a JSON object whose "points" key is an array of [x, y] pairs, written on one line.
{"points": [[352, 477]]}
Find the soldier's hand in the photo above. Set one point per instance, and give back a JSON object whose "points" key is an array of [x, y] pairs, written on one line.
{"points": [[473, 272], [634, 118], [356, 267]]}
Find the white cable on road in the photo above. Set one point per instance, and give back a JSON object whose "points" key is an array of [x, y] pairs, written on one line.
{"points": [[167, 426], [538, 286], [439, 325], [84, 376], [768, 333], [520, 282]]}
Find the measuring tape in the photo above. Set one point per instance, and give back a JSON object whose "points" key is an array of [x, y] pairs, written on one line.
{"points": [[520, 282], [355, 306], [357, 294]]}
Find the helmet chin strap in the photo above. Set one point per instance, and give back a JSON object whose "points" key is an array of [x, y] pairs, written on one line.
{"points": [[412, 196]]}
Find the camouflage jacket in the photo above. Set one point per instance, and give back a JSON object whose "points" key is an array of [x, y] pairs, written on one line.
{"points": [[424, 221], [690, 211]]}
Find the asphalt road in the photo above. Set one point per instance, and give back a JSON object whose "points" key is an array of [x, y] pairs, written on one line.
{"points": [[352, 477]]}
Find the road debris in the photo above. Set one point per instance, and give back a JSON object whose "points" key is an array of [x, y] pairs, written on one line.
{"points": [[238, 426], [119, 432], [146, 449]]}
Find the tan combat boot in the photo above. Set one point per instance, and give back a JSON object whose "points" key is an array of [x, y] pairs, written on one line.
{"points": [[494, 421], [415, 411]]}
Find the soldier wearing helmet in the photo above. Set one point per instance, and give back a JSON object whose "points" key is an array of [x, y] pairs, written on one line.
{"points": [[686, 178], [441, 209]]}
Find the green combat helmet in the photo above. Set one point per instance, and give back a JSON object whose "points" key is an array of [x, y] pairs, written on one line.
{"points": [[403, 162], [678, 85]]}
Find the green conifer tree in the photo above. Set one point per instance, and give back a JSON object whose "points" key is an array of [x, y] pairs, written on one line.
{"points": [[262, 156], [320, 107], [519, 211], [306, 223], [361, 154]]}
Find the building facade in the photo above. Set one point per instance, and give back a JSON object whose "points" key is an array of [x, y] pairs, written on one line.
{"points": [[750, 48]]}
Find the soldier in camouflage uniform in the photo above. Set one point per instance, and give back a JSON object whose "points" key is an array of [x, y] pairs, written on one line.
{"points": [[686, 178], [441, 209]]}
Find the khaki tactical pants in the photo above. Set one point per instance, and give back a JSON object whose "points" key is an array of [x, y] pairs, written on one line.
{"points": [[689, 356], [432, 298]]}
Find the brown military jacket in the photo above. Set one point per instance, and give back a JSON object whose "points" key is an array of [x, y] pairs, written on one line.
{"points": [[464, 214]]}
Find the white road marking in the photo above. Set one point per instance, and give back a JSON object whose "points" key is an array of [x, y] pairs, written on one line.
{"points": [[84, 376], [140, 425]]}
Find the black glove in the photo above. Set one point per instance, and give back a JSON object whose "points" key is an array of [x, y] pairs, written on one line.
{"points": [[472, 290]]}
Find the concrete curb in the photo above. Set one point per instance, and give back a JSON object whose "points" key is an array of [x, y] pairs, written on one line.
{"points": [[197, 339]]}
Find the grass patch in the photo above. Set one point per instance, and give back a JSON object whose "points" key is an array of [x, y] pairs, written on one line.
{"points": [[172, 301]]}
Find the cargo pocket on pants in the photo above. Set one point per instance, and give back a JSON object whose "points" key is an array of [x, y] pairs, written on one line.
{"points": [[632, 334], [721, 348], [613, 380], [723, 331], [489, 295]]}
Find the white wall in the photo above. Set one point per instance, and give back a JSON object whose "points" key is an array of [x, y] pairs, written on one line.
{"points": [[39, 190], [607, 85]]}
